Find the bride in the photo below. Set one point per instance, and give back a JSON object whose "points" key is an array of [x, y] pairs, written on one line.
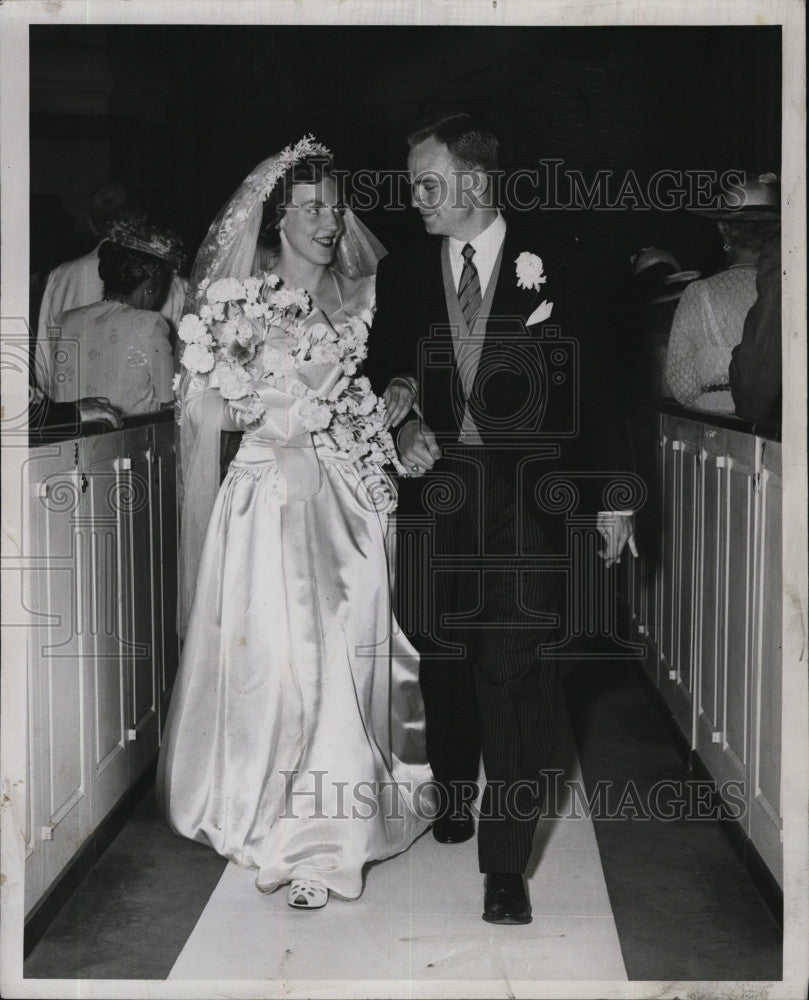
{"points": [[294, 743]]}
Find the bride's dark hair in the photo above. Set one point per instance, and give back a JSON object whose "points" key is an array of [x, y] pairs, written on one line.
{"points": [[311, 170]]}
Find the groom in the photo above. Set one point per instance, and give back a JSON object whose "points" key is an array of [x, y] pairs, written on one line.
{"points": [[513, 415]]}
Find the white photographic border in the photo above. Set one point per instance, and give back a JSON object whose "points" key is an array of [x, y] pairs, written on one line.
{"points": [[15, 17]]}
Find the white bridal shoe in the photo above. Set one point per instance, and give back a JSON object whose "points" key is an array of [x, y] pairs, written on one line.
{"points": [[307, 894]]}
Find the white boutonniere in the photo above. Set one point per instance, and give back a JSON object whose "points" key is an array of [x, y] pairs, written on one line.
{"points": [[530, 275]]}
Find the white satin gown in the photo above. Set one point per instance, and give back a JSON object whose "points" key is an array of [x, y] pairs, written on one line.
{"points": [[295, 739]]}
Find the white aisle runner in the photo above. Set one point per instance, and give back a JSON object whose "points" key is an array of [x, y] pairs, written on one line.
{"points": [[419, 917]]}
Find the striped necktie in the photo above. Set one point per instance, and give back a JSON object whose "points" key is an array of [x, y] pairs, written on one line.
{"points": [[469, 295]]}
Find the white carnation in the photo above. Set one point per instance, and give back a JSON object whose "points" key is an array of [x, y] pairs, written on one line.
{"points": [[276, 357], [252, 287], [225, 290], [316, 416], [234, 383], [530, 271], [191, 328], [198, 359], [245, 331]]}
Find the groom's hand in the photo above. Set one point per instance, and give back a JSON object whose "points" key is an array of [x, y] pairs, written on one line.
{"points": [[418, 449], [618, 532], [399, 398]]}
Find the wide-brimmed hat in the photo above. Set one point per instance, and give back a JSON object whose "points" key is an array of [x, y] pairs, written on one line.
{"points": [[757, 199], [648, 257]]}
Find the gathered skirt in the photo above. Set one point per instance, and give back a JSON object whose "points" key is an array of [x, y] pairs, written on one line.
{"points": [[295, 743]]}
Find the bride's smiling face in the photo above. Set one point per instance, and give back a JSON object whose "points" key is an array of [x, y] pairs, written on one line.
{"points": [[313, 221]]}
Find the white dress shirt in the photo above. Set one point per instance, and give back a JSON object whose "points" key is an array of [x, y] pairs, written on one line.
{"points": [[486, 246]]}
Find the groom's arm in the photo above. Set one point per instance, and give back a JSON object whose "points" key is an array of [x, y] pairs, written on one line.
{"points": [[392, 343], [602, 444]]}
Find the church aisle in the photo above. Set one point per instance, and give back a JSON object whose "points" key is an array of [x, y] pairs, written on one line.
{"points": [[611, 900], [419, 918]]}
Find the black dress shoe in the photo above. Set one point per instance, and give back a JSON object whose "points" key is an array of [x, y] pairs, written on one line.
{"points": [[505, 900], [454, 828]]}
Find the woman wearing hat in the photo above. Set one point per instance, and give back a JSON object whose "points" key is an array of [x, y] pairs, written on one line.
{"points": [[710, 315], [119, 347]]}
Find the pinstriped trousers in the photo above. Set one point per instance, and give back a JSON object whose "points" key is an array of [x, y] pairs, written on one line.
{"points": [[494, 698]]}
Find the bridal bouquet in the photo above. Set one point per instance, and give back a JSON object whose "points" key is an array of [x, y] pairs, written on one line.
{"points": [[254, 330]]}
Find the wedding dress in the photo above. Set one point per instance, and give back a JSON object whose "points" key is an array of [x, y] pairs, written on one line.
{"points": [[295, 740]]}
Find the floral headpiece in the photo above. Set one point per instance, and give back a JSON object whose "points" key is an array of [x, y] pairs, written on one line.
{"points": [[304, 148], [148, 239]]}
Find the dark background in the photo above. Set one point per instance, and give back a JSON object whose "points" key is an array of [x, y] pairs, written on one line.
{"points": [[186, 112]]}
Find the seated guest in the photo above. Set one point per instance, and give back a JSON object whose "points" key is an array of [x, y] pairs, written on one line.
{"points": [[755, 367], [76, 283], [119, 347], [711, 313]]}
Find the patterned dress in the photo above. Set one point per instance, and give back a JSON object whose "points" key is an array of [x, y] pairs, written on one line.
{"points": [[707, 326]]}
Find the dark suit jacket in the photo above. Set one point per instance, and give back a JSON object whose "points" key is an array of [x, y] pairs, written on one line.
{"points": [[545, 393], [755, 367]]}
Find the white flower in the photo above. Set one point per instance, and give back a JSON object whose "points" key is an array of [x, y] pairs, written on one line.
{"points": [[234, 383], [319, 332], [175, 383], [252, 287], [298, 389], [276, 357], [273, 280], [287, 298], [198, 359], [191, 328], [206, 314], [225, 290], [529, 271], [245, 331], [367, 405], [316, 416], [256, 310]]}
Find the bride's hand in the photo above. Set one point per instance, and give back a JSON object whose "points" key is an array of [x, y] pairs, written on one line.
{"points": [[399, 398]]}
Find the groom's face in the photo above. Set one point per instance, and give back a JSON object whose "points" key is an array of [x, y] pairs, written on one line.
{"points": [[441, 191]]}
